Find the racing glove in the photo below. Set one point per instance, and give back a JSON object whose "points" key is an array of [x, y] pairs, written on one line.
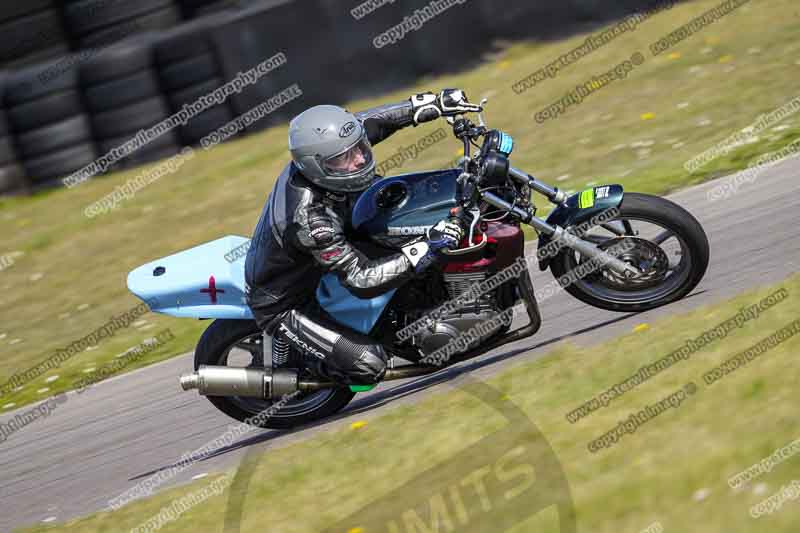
{"points": [[445, 235], [428, 106]]}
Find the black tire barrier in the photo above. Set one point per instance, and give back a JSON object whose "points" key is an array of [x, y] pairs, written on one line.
{"points": [[187, 57], [45, 110], [34, 101], [200, 8], [13, 179], [167, 140], [47, 168], [53, 137], [86, 16], [190, 40], [461, 31], [190, 94], [190, 71], [11, 10], [355, 54], [7, 151], [118, 61], [12, 176], [39, 56], [252, 35], [122, 91], [125, 95], [454, 38], [35, 82], [4, 129], [162, 19], [130, 119], [48, 120], [31, 33], [207, 121], [513, 19], [161, 147]]}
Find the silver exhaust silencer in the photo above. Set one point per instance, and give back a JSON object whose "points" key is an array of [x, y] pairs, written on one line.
{"points": [[245, 382]]}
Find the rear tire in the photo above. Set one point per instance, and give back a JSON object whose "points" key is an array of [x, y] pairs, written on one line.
{"points": [[662, 212], [212, 349]]}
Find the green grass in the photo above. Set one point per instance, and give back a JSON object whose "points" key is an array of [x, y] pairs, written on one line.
{"points": [[68, 260], [656, 474]]}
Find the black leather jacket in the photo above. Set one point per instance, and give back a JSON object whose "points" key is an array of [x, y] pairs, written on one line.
{"points": [[302, 234]]}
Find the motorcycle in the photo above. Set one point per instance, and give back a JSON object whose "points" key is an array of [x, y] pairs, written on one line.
{"points": [[272, 382]]}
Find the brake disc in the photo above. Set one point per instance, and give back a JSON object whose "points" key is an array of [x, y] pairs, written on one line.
{"points": [[648, 257]]}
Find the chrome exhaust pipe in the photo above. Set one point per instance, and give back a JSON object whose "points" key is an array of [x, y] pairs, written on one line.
{"points": [[260, 383], [265, 384]]}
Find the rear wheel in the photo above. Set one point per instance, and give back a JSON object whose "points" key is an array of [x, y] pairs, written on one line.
{"points": [[238, 343], [665, 242]]}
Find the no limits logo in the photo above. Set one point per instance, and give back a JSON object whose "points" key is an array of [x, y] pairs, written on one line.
{"points": [[502, 480]]}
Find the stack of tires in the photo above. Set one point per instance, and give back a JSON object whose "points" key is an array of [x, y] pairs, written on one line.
{"points": [[30, 31], [198, 8], [96, 23], [49, 121], [189, 69], [123, 94], [12, 175]]}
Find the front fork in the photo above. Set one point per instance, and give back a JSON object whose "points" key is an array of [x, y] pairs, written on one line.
{"points": [[557, 233]]}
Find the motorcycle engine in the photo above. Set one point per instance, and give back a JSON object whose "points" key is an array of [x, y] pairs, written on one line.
{"points": [[473, 312]]}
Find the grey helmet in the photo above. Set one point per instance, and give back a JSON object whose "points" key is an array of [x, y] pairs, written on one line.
{"points": [[330, 147]]}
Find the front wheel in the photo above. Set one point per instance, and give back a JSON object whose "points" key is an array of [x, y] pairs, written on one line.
{"points": [[238, 343], [662, 239]]}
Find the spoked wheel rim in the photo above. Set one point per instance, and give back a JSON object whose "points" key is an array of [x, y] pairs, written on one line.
{"points": [[247, 351], [653, 244]]}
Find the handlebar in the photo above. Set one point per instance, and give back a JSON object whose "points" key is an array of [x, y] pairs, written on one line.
{"points": [[489, 170]]}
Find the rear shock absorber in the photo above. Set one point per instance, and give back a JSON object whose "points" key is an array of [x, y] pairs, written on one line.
{"points": [[280, 350]]}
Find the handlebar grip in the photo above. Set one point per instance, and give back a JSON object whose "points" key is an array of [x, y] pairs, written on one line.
{"points": [[459, 214]]}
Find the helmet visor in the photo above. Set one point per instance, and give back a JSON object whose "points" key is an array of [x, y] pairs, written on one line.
{"points": [[351, 161]]}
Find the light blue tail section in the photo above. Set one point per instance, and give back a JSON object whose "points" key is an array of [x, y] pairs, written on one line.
{"points": [[206, 281], [355, 313]]}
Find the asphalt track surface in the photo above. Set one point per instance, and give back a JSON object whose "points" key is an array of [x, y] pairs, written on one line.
{"points": [[102, 442]]}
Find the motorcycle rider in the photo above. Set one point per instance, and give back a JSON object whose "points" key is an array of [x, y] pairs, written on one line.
{"points": [[303, 231]]}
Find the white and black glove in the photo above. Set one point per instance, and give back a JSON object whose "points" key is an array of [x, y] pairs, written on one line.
{"points": [[450, 102], [445, 235]]}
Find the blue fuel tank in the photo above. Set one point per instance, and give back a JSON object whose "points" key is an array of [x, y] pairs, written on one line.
{"points": [[396, 210]]}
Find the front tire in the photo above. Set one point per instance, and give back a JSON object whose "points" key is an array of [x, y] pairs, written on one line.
{"points": [[216, 347], [673, 224]]}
